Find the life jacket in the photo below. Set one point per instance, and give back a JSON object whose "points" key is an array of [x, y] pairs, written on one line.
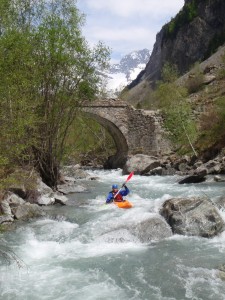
{"points": [[119, 197]]}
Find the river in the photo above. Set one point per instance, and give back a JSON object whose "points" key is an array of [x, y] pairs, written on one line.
{"points": [[78, 252]]}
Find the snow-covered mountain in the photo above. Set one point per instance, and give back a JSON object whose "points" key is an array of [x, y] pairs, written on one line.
{"points": [[126, 70]]}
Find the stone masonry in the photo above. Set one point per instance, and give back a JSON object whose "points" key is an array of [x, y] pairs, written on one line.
{"points": [[133, 130]]}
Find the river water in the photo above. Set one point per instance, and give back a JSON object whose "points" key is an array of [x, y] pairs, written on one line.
{"points": [[79, 252]]}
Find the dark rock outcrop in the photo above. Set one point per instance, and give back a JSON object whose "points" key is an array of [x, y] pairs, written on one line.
{"points": [[193, 35], [193, 179], [192, 217]]}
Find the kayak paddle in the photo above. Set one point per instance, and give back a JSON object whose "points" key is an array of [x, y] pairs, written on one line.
{"points": [[128, 178]]}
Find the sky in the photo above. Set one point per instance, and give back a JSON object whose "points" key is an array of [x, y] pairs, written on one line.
{"points": [[126, 25]]}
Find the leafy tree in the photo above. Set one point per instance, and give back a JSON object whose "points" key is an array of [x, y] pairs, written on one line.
{"points": [[176, 109], [48, 71]]}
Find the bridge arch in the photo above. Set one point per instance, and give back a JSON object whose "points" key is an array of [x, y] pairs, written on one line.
{"points": [[133, 130], [118, 137]]}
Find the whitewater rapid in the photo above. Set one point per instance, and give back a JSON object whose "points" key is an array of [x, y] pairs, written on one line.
{"points": [[83, 251]]}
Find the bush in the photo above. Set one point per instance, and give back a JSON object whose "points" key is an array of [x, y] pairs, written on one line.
{"points": [[221, 72], [212, 124], [195, 80]]}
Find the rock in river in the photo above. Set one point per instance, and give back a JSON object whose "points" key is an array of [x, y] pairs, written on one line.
{"points": [[193, 217]]}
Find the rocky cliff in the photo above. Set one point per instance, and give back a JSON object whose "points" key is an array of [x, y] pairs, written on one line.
{"points": [[191, 36]]}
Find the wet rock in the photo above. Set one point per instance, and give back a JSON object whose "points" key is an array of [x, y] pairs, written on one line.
{"points": [[27, 211], [193, 179], [121, 235], [221, 273], [156, 171], [71, 188], [69, 179], [5, 219], [220, 202], [140, 164], [154, 228], [219, 179], [45, 200], [201, 171], [193, 217], [61, 199]]}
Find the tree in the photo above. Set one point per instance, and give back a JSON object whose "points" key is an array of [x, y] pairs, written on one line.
{"points": [[55, 74], [176, 109]]}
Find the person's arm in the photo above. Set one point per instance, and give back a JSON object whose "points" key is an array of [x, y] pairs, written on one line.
{"points": [[125, 192], [109, 198]]}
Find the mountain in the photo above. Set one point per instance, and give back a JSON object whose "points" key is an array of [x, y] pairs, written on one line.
{"points": [[191, 36], [127, 69]]}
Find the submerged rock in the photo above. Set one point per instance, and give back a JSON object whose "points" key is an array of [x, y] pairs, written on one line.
{"points": [[154, 228], [192, 217]]}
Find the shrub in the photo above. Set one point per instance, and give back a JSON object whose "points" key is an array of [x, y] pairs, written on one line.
{"points": [[221, 72], [212, 124], [195, 80]]}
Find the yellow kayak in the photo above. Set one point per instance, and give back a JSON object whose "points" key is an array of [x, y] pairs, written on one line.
{"points": [[123, 204]]}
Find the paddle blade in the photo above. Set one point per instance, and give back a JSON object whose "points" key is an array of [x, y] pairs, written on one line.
{"points": [[129, 177]]}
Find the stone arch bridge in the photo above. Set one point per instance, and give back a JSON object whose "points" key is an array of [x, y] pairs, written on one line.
{"points": [[133, 130]]}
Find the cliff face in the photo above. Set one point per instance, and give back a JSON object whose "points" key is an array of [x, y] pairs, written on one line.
{"points": [[193, 35]]}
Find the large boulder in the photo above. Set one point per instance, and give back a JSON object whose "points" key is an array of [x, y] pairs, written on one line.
{"points": [[192, 217], [15, 207], [154, 228], [27, 211], [140, 164]]}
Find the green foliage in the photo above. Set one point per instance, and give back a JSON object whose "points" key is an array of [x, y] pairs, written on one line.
{"points": [[47, 70], [212, 124], [177, 112], [221, 72], [169, 72], [185, 16], [195, 80], [96, 141]]}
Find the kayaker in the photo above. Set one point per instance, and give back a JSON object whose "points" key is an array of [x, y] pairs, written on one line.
{"points": [[119, 197]]}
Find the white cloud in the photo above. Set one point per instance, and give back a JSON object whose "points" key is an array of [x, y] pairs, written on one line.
{"points": [[126, 25], [128, 34], [129, 8]]}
